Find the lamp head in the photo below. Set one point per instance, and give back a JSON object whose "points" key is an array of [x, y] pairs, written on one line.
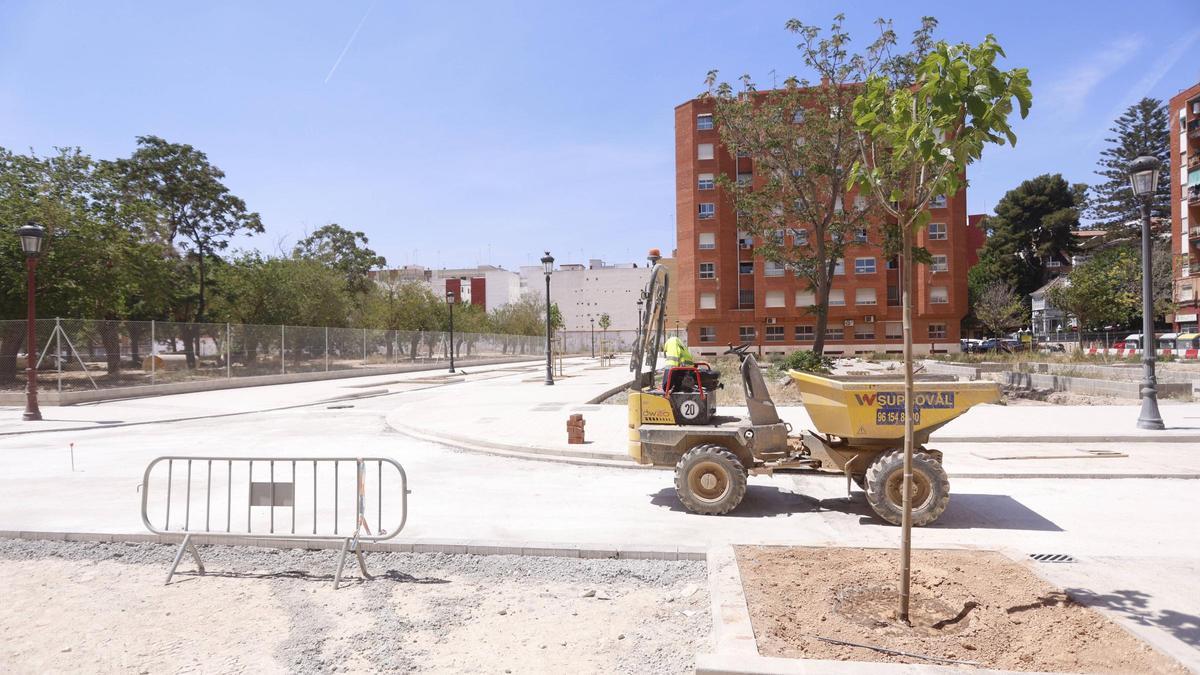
{"points": [[31, 236], [1143, 175]]}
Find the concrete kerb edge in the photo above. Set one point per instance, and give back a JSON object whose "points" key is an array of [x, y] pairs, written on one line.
{"points": [[609, 393], [428, 545]]}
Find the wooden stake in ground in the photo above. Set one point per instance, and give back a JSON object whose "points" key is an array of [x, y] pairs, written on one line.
{"points": [[920, 120]]}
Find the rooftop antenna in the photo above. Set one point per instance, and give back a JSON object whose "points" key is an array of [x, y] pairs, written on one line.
{"points": [[773, 78]]}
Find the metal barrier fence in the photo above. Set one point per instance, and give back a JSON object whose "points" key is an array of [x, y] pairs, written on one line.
{"points": [[247, 502], [76, 354]]}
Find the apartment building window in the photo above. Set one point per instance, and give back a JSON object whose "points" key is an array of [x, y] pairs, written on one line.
{"points": [[774, 333], [773, 269], [864, 331], [707, 210], [798, 172], [708, 334], [893, 263], [938, 202], [893, 296], [937, 331], [704, 151], [805, 299], [940, 264], [860, 235], [773, 299], [744, 179], [742, 154], [864, 266], [745, 241], [746, 267], [708, 301], [746, 299], [1054, 262], [937, 230], [708, 241], [837, 205], [839, 267], [706, 181], [835, 333], [939, 295], [799, 236], [798, 116], [893, 330], [704, 122], [708, 270], [864, 296], [805, 333], [837, 298], [860, 203], [746, 333]]}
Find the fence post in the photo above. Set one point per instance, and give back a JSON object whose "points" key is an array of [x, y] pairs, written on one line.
{"points": [[327, 349], [364, 348], [228, 352], [58, 350], [153, 354], [282, 350]]}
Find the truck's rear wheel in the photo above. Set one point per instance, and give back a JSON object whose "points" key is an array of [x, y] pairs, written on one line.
{"points": [[710, 480], [885, 487]]}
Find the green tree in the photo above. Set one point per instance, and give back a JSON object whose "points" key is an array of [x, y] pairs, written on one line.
{"points": [[1104, 290], [1033, 225], [801, 143], [344, 251], [191, 205], [1143, 129], [998, 308], [918, 129], [402, 305]]}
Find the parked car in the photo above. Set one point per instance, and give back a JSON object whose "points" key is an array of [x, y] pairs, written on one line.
{"points": [[994, 345], [969, 345]]}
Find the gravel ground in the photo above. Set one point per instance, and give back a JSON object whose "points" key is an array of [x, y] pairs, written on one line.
{"points": [[103, 607]]}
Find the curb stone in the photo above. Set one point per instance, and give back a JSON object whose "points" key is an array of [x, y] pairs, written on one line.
{"points": [[428, 545]]}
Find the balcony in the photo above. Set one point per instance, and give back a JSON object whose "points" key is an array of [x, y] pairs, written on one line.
{"points": [[1193, 129], [1194, 161], [1193, 195], [1194, 233]]}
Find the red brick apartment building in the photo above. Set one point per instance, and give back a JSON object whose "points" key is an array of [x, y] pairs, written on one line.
{"points": [[1185, 205], [727, 294]]}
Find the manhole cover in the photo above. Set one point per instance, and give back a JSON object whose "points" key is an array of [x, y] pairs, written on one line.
{"points": [[876, 607], [1052, 557]]}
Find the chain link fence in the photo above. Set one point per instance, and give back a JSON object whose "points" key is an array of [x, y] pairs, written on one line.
{"points": [[76, 354]]}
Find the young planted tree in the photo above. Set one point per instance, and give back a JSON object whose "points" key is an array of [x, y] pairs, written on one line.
{"points": [[191, 205], [998, 308], [800, 143], [917, 129], [1143, 129], [605, 322]]}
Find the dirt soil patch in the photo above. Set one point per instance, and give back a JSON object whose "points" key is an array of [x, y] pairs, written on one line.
{"points": [[976, 606]]}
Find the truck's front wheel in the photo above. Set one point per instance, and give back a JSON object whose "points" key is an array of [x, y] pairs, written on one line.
{"points": [[710, 480], [885, 487]]}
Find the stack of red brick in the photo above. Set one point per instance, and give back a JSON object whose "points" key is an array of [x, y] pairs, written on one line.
{"points": [[575, 425]]}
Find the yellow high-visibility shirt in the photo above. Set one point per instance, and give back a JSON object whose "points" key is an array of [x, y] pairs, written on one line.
{"points": [[677, 353]]}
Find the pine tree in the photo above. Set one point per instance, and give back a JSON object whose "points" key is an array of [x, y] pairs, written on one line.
{"points": [[1144, 129]]}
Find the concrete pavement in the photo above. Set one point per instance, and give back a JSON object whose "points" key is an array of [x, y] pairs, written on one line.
{"points": [[1135, 539]]}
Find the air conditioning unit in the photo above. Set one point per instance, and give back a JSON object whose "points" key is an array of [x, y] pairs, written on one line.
{"points": [[848, 322], [745, 244], [870, 318], [771, 321]]}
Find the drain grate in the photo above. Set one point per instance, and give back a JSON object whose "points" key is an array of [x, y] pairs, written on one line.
{"points": [[1052, 557]]}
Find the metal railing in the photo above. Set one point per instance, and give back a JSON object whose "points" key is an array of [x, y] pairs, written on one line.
{"points": [[75, 354], [246, 505]]}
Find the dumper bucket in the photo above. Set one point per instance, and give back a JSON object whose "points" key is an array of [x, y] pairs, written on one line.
{"points": [[873, 411]]}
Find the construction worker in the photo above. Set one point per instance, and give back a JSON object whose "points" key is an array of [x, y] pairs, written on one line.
{"points": [[677, 353]]}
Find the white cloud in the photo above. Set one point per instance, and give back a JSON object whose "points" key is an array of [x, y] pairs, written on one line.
{"points": [[1067, 94]]}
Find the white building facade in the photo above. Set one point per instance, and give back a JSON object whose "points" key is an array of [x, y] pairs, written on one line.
{"points": [[585, 292]]}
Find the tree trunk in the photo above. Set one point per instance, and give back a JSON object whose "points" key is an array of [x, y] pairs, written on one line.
{"points": [[414, 345], [11, 339], [822, 314], [135, 337], [110, 337], [189, 344], [906, 271]]}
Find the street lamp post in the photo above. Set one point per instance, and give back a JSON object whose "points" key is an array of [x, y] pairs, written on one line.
{"points": [[592, 332], [548, 268], [1143, 178], [450, 304], [31, 243]]}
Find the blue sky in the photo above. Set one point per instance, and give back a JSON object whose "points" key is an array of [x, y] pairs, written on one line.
{"points": [[464, 133]]}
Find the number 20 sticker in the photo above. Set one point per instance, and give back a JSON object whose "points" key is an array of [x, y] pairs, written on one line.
{"points": [[689, 409]]}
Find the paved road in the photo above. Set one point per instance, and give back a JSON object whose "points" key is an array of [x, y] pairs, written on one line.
{"points": [[1129, 534]]}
